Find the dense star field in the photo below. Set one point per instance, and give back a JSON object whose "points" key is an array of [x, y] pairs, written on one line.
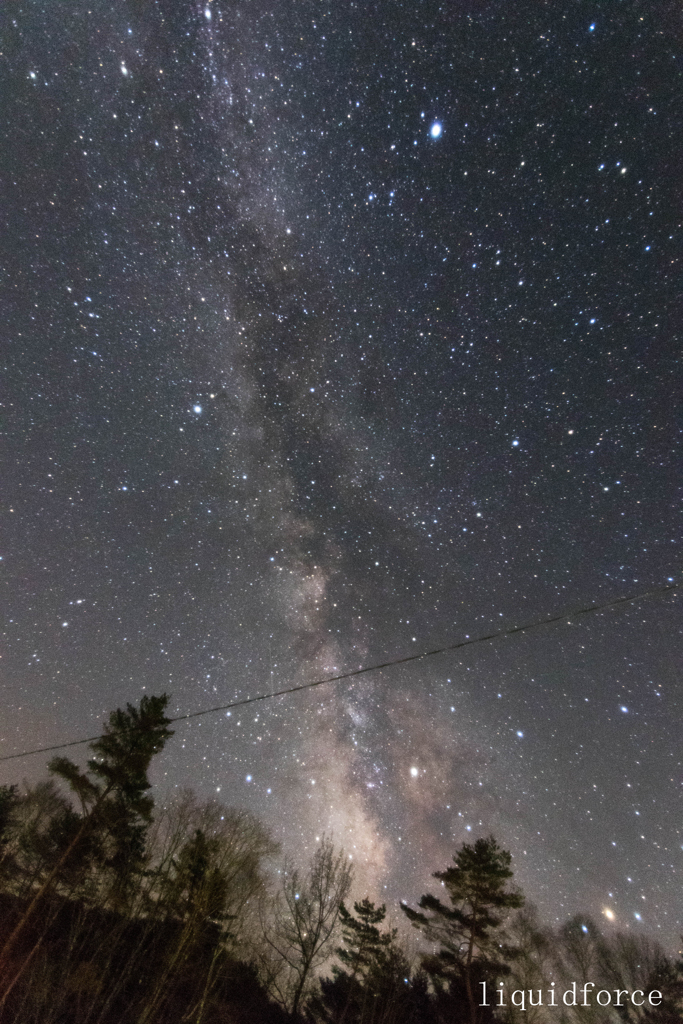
{"points": [[335, 333]]}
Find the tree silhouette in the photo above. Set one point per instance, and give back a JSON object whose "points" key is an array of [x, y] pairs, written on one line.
{"points": [[306, 918], [371, 985], [469, 931], [363, 941], [114, 912], [115, 805]]}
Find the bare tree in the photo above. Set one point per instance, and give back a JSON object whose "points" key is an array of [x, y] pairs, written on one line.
{"points": [[630, 962], [209, 871], [305, 919], [532, 967]]}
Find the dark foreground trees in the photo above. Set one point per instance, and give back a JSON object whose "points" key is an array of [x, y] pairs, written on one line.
{"points": [[103, 846], [372, 981], [110, 913], [303, 924], [117, 911], [468, 932]]}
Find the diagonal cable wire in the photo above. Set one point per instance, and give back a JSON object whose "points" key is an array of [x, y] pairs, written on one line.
{"points": [[467, 642]]}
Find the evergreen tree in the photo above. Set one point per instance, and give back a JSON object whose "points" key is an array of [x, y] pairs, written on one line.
{"points": [[344, 994], [374, 984], [363, 941], [8, 802], [115, 806], [114, 793], [469, 931]]}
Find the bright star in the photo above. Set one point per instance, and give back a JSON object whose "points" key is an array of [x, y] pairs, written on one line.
{"points": [[414, 772], [197, 409]]}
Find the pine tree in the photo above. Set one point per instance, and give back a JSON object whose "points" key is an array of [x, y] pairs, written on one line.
{"points": [[363, 940], [114, 793], [469, 931], [8, 802], [115, 805], [372, 985]]}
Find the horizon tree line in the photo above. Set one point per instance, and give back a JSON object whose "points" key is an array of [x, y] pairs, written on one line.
{"points": [[115, 911]]}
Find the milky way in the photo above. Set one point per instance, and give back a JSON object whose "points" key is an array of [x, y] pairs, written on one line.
{"points": [[336, 334]]}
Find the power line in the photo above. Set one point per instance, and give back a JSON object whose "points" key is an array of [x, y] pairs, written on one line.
{"points": [[467, 642]]}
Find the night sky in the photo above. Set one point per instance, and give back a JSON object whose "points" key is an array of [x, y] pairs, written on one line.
{"points": [[334, 333]]}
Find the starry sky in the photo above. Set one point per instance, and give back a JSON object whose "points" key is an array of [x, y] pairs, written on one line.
{"points": [[337, 332]]}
